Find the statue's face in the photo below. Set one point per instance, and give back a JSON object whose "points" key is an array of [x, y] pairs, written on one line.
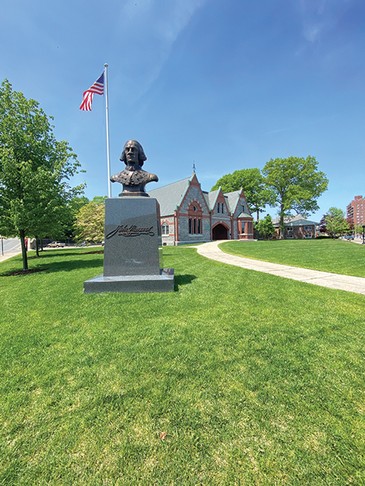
{"points": [[131, 153]]}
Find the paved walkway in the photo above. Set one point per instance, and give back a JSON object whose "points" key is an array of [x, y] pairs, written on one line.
{"points": [[8, 255], [324, 279]]}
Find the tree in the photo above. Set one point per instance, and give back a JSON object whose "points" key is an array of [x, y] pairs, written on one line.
{"points": [[90, 222], [252, 183], [35, 170], [77, 202], [336, 224], [73, 207], [295, 184], [358, 229], [322, 224], [99, 199], [265, 227]]}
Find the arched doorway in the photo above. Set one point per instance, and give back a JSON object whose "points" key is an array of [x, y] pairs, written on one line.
{"points": [[220, 232]]}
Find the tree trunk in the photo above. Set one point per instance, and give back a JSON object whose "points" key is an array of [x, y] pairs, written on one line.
{"points": [[24, 250], [281, 222], [37, 246]]}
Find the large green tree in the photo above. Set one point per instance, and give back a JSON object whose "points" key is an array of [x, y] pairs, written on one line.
{"points": [[295, 184], [35, 171], [336, 224], [252, 183]]}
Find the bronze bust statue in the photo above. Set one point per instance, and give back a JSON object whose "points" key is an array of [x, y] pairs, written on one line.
{"points": [[133, 178]]}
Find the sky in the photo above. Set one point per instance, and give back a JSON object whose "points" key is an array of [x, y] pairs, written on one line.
{"points": [[221, 85]]}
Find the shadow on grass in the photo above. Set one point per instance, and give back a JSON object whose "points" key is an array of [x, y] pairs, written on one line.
{"points": [[55, 253], [70, 265], [66, 266], [183, 280]]}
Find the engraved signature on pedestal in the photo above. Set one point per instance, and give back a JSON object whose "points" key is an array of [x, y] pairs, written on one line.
{"points": [[130, 231]]}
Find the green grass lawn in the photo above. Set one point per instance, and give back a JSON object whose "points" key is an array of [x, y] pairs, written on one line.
{"points": [[237, 377], [336, 256]]}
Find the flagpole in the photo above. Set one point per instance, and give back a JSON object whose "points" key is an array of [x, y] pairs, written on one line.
{"points": [[107, 129]]}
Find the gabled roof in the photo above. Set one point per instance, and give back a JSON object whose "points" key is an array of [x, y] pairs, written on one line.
{"points": [[232, 199], [297, 220], [170, 196], [300, 222], [211, 198]]}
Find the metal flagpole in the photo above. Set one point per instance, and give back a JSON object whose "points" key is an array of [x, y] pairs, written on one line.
{"points": [[107, 129]]}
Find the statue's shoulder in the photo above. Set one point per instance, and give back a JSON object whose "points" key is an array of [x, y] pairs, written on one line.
{"points": [[121, 177], [147, 176], [142, 176]]}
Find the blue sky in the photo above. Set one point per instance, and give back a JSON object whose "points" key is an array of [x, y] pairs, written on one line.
{"points": [[222, 84]]}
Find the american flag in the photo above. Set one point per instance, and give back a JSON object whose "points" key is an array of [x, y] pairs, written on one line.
{"points": [[96, 88]]}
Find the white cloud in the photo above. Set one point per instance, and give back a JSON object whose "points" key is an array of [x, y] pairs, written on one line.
{"points": [[314, 19], [312, 32], [150, 29]]}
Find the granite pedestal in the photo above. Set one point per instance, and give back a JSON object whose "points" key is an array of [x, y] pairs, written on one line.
{"points": [[132, 260]]}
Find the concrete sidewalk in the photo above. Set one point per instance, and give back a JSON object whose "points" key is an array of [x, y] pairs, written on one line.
{"points": [[8, 255], [324, 279]]}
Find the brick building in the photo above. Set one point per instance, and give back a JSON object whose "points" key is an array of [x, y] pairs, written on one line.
{"points": [[297, 227], [355, 211], [191, 215]]}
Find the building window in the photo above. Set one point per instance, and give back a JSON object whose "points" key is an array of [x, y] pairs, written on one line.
{"points": [[195, 226], [195, 219], [220, 207], [165, 229], [308, 231]]}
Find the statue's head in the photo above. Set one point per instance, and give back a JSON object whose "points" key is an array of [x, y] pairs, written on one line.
{"points": [[133, 153]]}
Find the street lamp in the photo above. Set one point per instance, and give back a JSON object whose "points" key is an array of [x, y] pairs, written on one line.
{"points": [[363, 234]]}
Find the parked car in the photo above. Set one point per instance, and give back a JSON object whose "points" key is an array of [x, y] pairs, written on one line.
{"points": [[56, 244]]}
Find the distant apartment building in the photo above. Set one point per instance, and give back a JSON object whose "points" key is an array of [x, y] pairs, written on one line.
{"points": [[355, 211]]}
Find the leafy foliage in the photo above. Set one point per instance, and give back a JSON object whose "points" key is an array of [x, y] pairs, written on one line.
{"points": [[90, 222], [99, 199], [265, 227], [359, 229], [252, 183], [35, 170], [295, 184], [336, 224]]}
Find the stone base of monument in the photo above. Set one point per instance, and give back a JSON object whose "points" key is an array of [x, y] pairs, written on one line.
{"points": [[132, 283], [132, 261]]}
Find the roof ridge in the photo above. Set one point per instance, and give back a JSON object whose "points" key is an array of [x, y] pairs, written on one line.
{"points": [[172, 183]]}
